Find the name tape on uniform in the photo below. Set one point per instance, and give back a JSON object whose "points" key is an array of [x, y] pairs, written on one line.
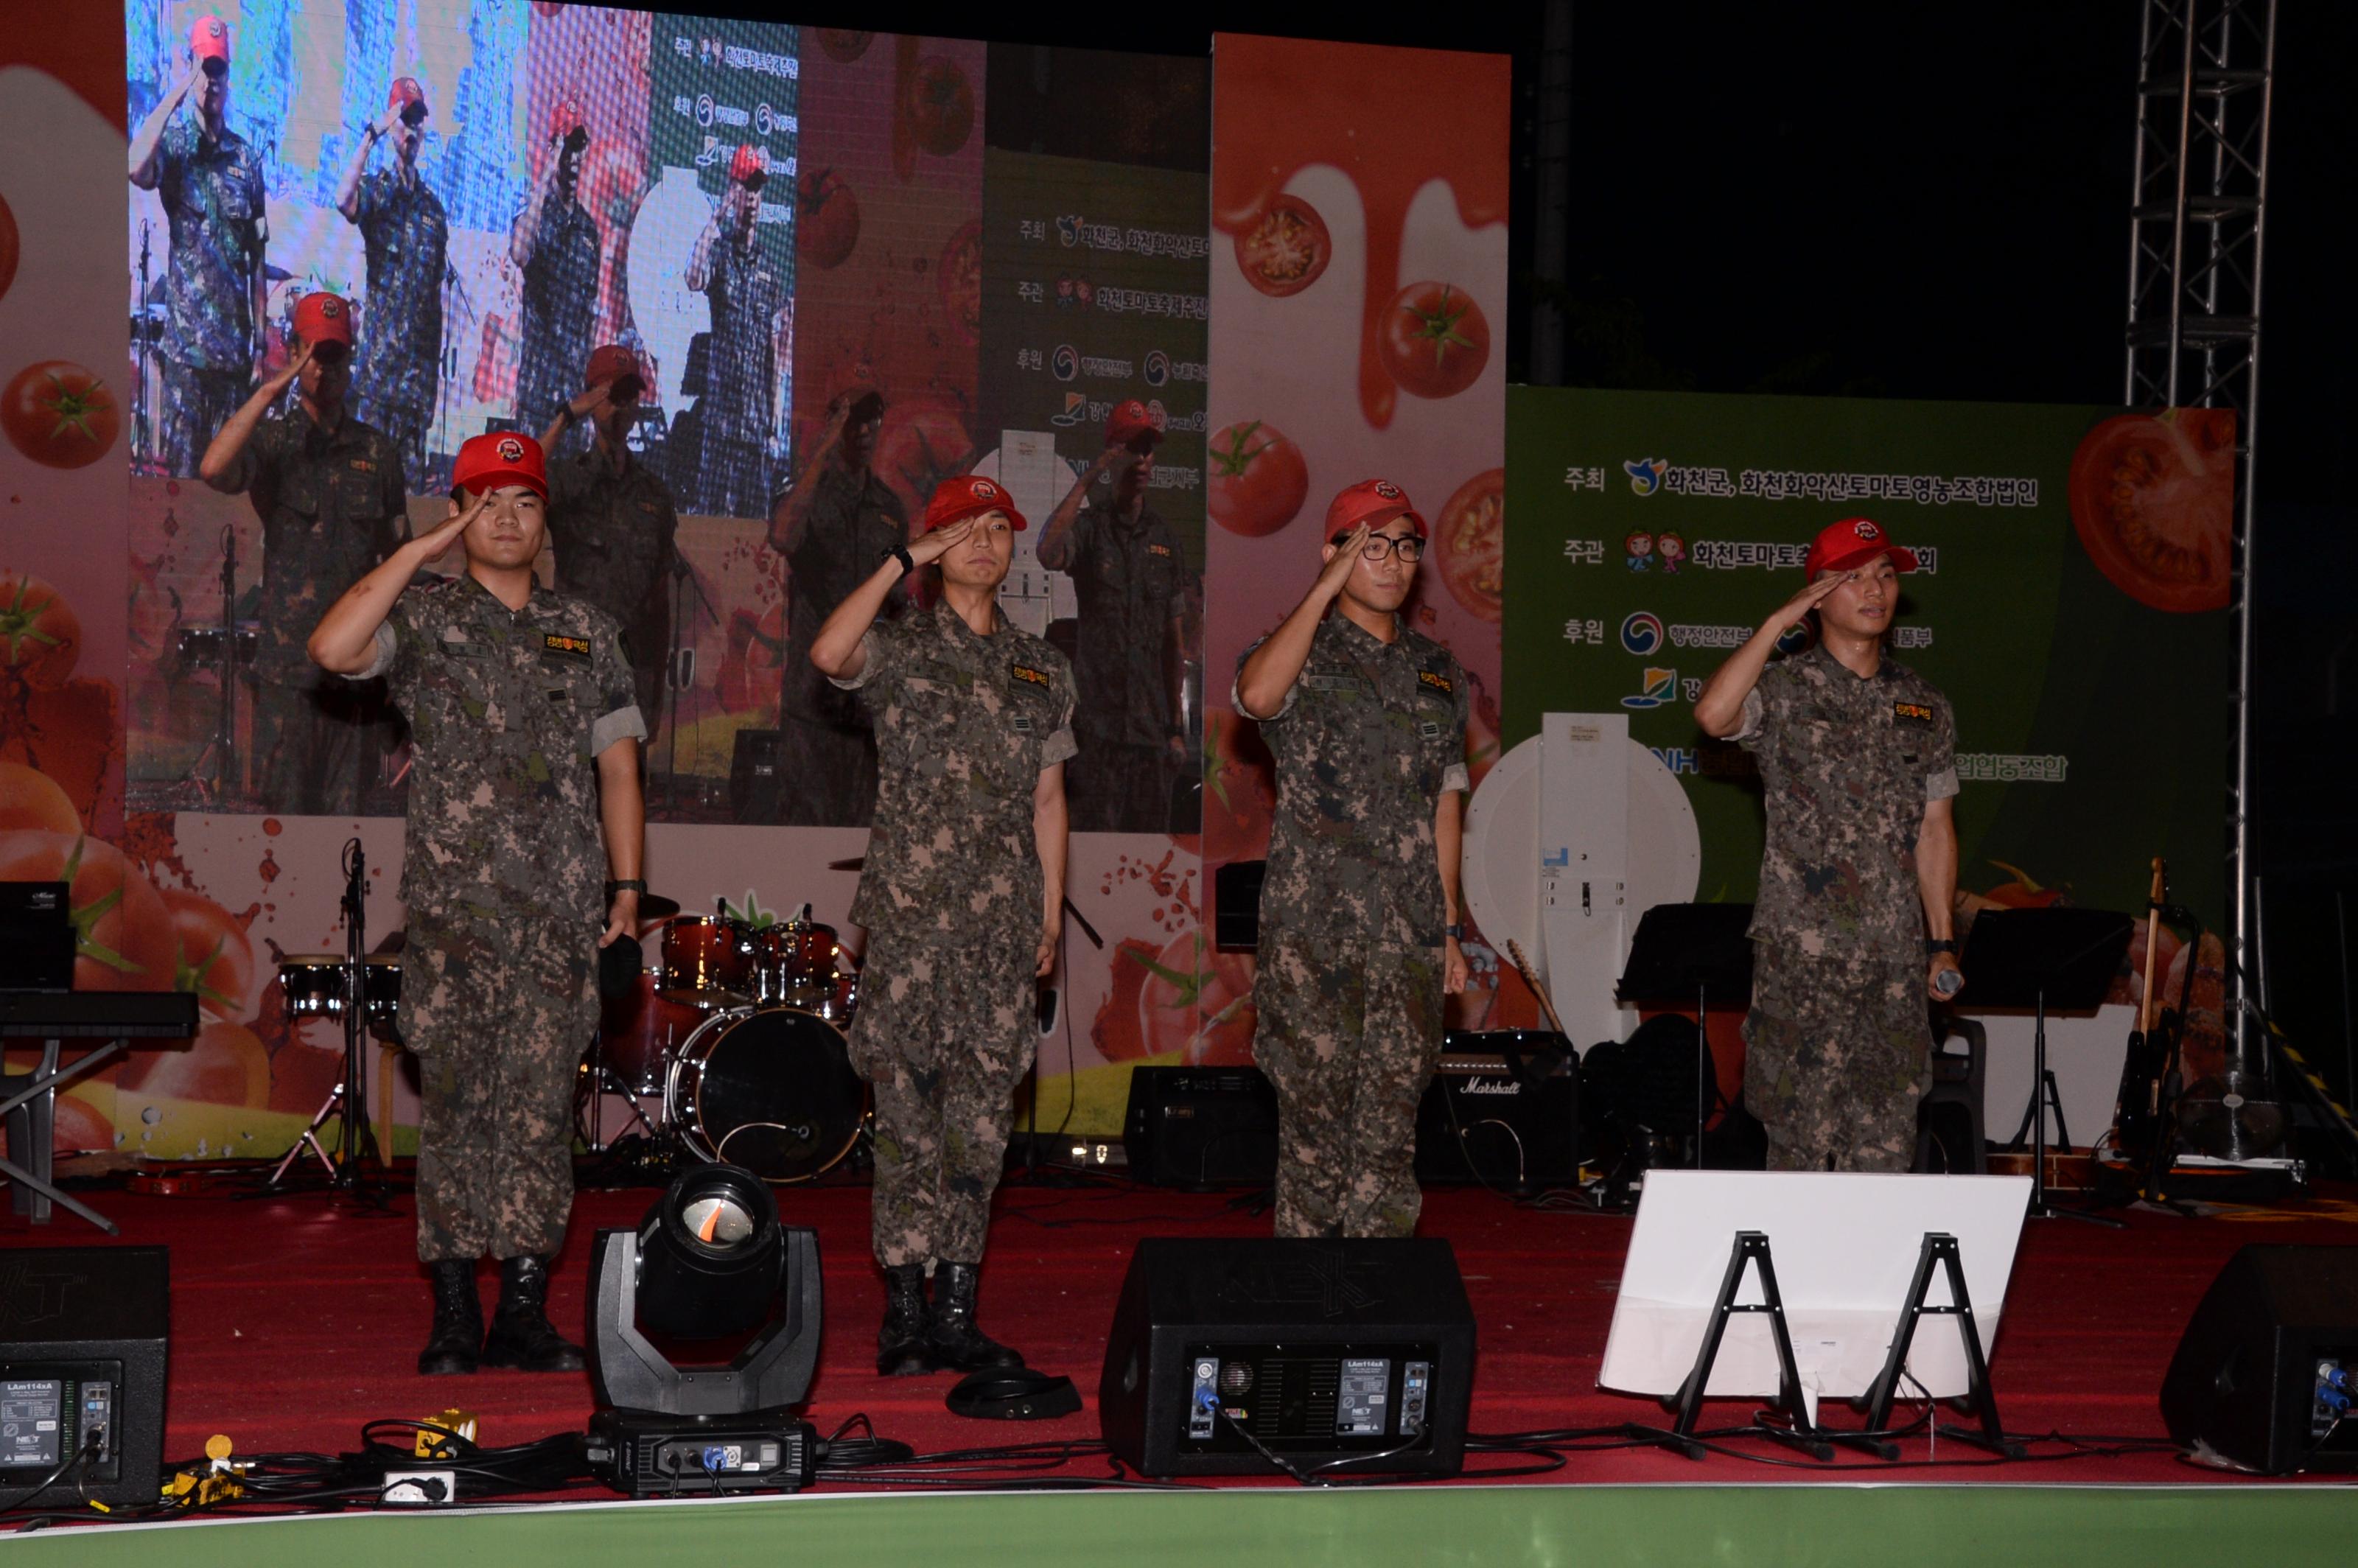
{"points": [[559, 643], [1026, 672]]}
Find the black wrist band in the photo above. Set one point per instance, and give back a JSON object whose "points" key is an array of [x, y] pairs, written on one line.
{"points": [[1456, 933], [1943, 946], [630, 884], [901, 553]]}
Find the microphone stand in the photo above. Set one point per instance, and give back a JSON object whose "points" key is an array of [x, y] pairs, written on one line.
{"points": [[679, 670], [1032, 1102], [348, 1101]]}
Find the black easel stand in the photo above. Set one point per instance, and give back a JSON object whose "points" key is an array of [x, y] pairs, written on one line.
{"points": [[1942, 1249], [1691, 953], [2039, 958], [1750, 1247]]}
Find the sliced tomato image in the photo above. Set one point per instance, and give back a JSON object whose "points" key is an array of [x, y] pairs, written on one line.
{"points": [[59, 415], [1434, 339], [1470, 533], [941, 106], [40, 636], [2153, 500], [827, 218], [1259, 479], [1286, 250]]}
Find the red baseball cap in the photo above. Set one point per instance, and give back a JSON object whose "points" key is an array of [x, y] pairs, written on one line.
{"points": [[404, 92], [1129, 420], [323, 319], [614, 363], [1853, 542], [749, 166], [970, 496], [499, 459], [565, 117], [209, 39], [1374, 501]]}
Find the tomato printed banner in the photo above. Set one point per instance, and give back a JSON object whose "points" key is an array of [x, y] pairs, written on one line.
{"points": [[2070, 601]]}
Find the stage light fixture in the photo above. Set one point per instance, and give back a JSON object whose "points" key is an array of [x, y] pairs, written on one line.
{"points": [[710, 1261]]}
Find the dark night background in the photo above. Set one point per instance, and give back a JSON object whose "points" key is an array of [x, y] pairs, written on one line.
{"points": [[1925, 203]]}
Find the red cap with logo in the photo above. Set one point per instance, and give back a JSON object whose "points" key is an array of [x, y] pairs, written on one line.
{"points": [[404, 92], [1130, 419], [970, 496], [565, 118], [749, 166], [499, 459], [323, 319], [209, 39], [613, 363], [1374, 501], [1853, 542]]}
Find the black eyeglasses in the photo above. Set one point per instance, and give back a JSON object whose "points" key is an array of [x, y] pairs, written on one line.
{"points": [[1410, 547]]}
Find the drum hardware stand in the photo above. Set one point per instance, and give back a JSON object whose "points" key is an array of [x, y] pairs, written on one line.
{"points": [[143, 430], [348, 1101], [598, 1082]]}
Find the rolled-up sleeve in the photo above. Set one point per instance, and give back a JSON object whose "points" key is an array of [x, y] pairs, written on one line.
{"points": [[1754, 711], [618, 718], [1941, 767], [1060, 746], [872, 655], [1236, 694], [387, 644]]}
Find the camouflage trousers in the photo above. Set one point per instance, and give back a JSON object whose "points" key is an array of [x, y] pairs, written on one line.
{"points": [[946, 1028], [1837, 1051], [197, 404], [498, 1011], [1347, 1032], [1116, 787]]}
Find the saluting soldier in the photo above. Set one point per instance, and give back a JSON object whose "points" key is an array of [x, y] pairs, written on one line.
{"points": [[1131, 583], [519, 702], [554, 243], [1359, 907], [832, 528], [210, 181], [1853, 928], [406, 238], [613, 522], [739, 405], [962, 896], [333, 504]]}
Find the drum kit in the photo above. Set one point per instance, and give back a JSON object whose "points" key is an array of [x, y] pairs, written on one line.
{"points": [[732, 1048]]}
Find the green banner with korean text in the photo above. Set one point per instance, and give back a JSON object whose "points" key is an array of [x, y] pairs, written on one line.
{"points": [[2070, 601]]}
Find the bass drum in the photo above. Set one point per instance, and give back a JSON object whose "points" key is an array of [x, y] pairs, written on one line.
{"points": [[769, 1089]]}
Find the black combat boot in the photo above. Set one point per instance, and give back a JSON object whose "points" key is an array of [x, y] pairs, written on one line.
{"points": [[458, 1319], [901, 1348], [522, 1336], [957, 1343]]}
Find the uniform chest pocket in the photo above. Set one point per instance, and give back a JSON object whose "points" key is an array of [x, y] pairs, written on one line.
{"points": [[463, 688], [568, 702], [232, 193]]}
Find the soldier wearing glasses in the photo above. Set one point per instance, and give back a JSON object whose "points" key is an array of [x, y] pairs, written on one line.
{"points": [[1359, 911]]}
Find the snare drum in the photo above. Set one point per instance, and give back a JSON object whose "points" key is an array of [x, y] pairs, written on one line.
{"points": [[314, 988], [768, 1089], [708, 962]]}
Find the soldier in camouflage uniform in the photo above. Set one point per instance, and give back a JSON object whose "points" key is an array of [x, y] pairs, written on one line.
{"points": [[333, 500], [1857, 757], [1359, 909], [210, 181], [1132, 582], [613, 522], [554, 243], [527, 738], [966, 863], [738, 408], [405, 236]]}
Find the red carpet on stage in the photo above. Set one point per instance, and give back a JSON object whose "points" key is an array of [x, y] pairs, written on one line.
{"points": [[295, 1319]]}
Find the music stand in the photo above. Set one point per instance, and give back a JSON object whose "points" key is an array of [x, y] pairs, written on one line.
{"points": [[1697, 953], [2037, 958]]}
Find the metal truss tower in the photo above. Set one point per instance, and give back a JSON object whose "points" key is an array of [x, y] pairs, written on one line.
{"points": [[2206, 70]]}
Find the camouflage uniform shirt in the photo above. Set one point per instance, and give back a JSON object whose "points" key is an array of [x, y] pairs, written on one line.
{"points": [[508, 710], [740, 380], [965, 725], [406, 238], [1370, 735], [615, 535], [1130, 581], [1847, 766], [851, 524], [561, 304], [333, 504], [213, 196]]}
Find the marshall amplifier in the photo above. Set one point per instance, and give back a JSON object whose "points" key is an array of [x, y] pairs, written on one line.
{"points": [[1200, 1128], [1503, 1110]]}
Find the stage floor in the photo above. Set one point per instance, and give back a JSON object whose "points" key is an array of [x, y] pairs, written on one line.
{"points": [[295, 1319]]}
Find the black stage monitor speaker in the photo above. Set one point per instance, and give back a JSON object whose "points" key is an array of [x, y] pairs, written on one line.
{"points": [[1503, 1110], [753, 776], [2267, 1373], [1200, 1128], [1254, 1358], [82, 1331]]}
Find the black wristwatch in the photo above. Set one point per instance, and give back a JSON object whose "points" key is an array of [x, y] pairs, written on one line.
{"points": [[901, 553], [630, 884], [1454, 932], [1933, 948]]}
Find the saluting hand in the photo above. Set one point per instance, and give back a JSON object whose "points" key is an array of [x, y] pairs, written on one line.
{"points": [[933, 546], [284, 376], [1802, 603], [1347, 557], [590, 402], [445, 533]]}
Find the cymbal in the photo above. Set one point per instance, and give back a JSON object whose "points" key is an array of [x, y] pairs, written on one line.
{"points": [[654, 906], [858, 862], [272, 272]]}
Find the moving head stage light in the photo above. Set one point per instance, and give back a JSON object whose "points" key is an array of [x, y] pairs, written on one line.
{"points": [[709, 1262]]}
